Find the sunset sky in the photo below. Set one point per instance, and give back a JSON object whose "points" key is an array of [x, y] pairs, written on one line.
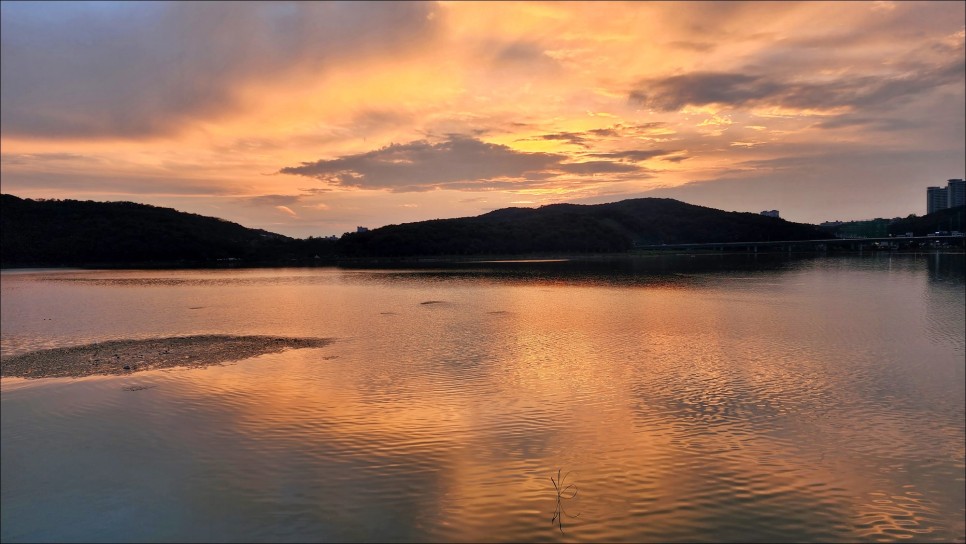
{"points": [[314, 118]]}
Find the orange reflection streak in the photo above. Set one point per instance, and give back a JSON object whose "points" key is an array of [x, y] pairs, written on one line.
{"points": [[664, 399]]}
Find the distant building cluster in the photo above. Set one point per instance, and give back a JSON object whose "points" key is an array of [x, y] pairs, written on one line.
{"points": [[362, 229], [770, 213], [950, 196]]}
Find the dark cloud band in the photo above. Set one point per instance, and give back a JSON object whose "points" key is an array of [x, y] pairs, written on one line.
{"points": [[458, 162], [136, 69], [731, 89]]}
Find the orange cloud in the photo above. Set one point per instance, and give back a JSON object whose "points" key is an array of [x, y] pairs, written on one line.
{"points": [[556, 99], [287, 210]]}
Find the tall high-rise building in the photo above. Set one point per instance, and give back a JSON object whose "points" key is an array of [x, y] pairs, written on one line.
{"points": [[956, 192], [937, 198]]}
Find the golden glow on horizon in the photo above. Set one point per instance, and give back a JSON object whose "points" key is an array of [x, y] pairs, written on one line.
{"points": [[581, 80]]}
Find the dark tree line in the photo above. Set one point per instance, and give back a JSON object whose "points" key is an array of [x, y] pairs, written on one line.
{"points": [[573, 228], [949, 219], [76, 233]]}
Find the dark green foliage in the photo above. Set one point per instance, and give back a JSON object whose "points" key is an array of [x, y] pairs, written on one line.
{"points": [[949, 219], [573, 228], [76, 233], [872, 228]]}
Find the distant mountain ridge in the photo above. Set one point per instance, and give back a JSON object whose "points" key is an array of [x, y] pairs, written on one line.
{"points": [[85, 233], [613, 227], [72, 233]]}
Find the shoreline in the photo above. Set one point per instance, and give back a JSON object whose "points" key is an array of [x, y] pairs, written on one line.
{"points": [[120, 357], [379, 262]]}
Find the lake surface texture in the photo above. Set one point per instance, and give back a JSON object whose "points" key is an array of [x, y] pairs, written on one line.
{"points": [[703, 398]]}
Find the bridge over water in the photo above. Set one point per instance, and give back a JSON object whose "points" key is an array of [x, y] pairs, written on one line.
{"points": [[854, 244]]}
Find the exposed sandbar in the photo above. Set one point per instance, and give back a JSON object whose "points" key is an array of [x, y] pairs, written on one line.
{"points": [[126, 356]]}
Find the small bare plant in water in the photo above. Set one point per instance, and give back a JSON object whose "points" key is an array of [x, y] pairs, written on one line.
{"points": [[564, 492]]}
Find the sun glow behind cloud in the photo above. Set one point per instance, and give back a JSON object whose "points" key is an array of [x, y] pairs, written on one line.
{"points": [[373, 113]]}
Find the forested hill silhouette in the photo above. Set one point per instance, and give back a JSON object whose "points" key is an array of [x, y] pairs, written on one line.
{"points": [[948, 219], [75, 233], [617, 226], [79, 233]]}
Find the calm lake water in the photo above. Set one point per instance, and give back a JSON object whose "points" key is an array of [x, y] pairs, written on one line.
{"points": [[703, 398]]}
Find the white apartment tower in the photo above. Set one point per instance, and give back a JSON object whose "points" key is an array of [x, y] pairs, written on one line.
{"points": [[950, 196]]}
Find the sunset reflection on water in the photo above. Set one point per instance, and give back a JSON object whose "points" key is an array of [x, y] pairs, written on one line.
{"points": [[788, 403]]}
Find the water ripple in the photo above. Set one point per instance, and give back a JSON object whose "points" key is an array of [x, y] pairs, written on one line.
{"points": [[815, 400]]}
